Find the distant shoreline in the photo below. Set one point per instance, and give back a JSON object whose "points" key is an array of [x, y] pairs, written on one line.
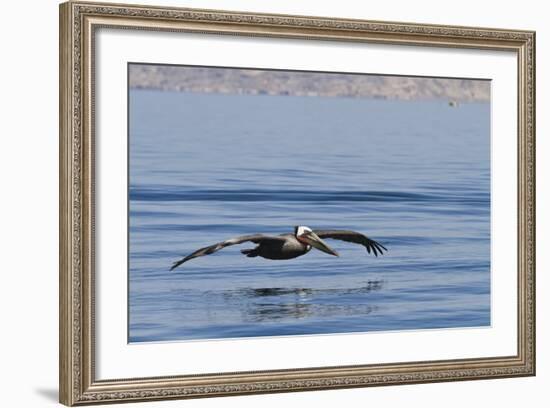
{"points": [[451, 102], [294, 83]]}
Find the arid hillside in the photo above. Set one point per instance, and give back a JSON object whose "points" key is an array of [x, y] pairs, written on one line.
{"points": [[253, 82]]}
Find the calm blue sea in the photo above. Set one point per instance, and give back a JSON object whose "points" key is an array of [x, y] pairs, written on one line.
{"points": [[414, 176]]}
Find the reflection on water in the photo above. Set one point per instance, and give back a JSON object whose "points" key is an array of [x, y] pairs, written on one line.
{"points": [[296, 303], [415, 176], [300, 292], [274, 311], [262, 312]]}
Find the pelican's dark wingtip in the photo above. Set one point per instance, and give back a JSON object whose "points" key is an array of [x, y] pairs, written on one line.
{"points": [[176, 264], [377, 248]]}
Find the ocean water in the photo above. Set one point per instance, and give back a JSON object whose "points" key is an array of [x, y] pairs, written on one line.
{"points": [[415, 176]]}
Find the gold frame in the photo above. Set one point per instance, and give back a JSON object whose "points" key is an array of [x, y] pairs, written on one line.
{"points": [[78, 22]]}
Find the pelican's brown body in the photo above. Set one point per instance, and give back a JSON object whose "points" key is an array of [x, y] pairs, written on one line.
{"points": [[288, 248]]}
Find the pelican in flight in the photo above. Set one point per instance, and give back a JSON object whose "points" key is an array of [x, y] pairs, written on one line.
{"points": [[288, 246]]}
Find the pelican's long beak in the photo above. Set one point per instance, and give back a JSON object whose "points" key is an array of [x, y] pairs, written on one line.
{"points": [[316, 242]]}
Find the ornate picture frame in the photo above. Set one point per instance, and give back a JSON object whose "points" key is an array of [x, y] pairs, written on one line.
{"points": [[79, 23]]}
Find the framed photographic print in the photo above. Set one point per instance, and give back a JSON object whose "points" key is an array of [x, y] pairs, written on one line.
{"points": [[256, 203]]}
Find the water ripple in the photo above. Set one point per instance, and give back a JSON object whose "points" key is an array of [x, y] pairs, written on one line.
{"points": [[254, 195]]}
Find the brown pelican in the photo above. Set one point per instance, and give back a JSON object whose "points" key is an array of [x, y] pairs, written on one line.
{"points": [[288, 246]]}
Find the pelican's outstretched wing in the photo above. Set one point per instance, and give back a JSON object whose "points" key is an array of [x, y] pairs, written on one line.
{"points": [[256, 238], [352, 236]]}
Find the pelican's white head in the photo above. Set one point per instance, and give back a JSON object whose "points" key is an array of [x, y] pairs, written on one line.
{"points": [[306, 236], [301, 230]]}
